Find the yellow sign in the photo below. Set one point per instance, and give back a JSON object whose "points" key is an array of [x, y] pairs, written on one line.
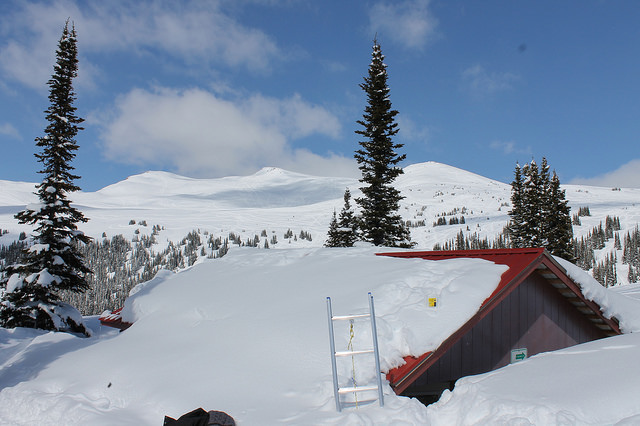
{"points": [[432, 302]]}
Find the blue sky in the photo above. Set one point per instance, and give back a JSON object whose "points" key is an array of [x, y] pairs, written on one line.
{"points": [[218, 88]]}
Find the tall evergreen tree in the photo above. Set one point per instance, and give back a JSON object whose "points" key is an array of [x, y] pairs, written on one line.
{"points": [[540, 215], [52, 263], [546, 203], [560, 230], [517, 213], [380, 222], [532, 199]]}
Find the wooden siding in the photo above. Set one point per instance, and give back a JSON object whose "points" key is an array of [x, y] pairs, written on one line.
{"points": [[533, 316]]}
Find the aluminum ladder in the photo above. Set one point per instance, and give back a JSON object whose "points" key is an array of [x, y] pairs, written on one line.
{"points": [[337, 390]]}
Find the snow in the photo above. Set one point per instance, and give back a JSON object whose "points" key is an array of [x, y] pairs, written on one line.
{"points": [[595, 383], [37, 248], [15, 282], [45, 279], [247, 334], [613, 303], [277, 200]]}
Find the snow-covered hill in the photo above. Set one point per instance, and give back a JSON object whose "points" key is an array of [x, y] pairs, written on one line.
{"points": [[275, 201]]}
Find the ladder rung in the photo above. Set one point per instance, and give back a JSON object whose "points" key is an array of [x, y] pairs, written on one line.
{"points": [[334, 354], [358, 389], [347, 353], [346, 317]]}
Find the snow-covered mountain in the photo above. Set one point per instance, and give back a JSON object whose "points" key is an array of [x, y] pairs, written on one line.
{"points": [[275, 201]]}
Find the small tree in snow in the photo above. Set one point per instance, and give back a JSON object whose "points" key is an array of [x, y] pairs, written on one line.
{"points": [[333, 235], [343, 230], [52, 262], [348, 222]]}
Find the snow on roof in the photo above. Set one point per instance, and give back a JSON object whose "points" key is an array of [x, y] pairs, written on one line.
{"points": [[521, 263], [613, 303], [247, 334]]}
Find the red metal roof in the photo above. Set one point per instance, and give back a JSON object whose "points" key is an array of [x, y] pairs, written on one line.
{"points": [[521, 263], [114, 319], [516, 259]]}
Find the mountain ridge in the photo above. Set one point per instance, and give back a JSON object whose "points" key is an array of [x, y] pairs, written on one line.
{"points": [[277, 202]]}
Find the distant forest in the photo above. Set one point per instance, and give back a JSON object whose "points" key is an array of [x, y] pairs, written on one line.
{"points": [[119, 264], [603, 270]]}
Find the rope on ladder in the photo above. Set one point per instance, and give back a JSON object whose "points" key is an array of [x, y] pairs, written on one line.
{"points": [[353, 360]]}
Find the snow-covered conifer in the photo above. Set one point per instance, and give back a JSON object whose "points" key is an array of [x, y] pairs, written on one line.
{"points": [[380, 222], [517, 213], [558, 222], [52, 263], [343, 229], [333, 235], [347, 222], [540, 215]]}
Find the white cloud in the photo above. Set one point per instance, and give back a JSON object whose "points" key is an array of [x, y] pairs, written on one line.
{"points": [[305, 161], [409, 130], [481, 82], [197, 133], [294, 117], [509, 147], [9, 130], [625, 176], [409, 22], [192, 31]]}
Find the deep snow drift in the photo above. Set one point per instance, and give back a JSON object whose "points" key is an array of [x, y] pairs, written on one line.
{"points": [[247, 334]]}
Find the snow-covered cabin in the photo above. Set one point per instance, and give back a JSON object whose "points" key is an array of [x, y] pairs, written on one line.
{"points": [[490, 303], [535, 308]]}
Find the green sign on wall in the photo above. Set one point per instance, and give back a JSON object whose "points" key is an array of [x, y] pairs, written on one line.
{"points": [[518, 355]]}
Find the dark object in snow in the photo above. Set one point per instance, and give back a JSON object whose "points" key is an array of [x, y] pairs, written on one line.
{"points": [[199, 417]]}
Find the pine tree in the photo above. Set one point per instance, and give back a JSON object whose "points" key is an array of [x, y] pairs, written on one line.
{"points": [[52, 263], [347, 223], [333, 235], [380, 222], [343, 229], [532, 200], [540, 215], [517, 213], [546, 203], [558, 222]]}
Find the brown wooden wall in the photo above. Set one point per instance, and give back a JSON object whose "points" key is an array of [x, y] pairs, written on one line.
{"points": [[533, 316]]}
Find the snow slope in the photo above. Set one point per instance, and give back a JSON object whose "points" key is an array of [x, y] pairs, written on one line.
{"points": [[276, 200], [595, 383], [247, 334]]}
